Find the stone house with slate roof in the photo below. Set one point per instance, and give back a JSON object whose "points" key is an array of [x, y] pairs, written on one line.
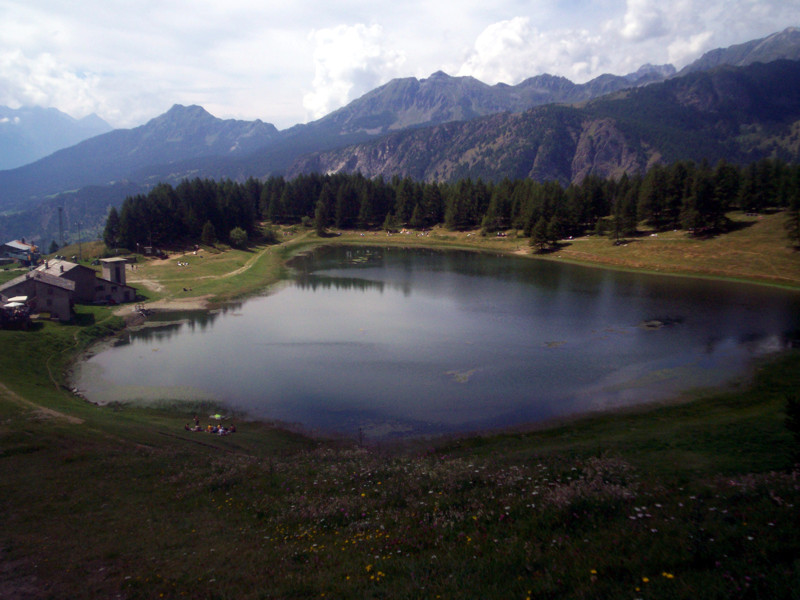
{"points": [[46, 293], [56, 285], [89, 288]]}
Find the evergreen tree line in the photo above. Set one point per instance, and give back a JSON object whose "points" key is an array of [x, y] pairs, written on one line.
{"points": [[684, 195]]}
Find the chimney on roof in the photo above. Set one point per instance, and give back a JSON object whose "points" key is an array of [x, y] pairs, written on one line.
{"points": [[62, 268]]}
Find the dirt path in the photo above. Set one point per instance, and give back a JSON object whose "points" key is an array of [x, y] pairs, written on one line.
{"points": [[42, 411], [189, 303]]}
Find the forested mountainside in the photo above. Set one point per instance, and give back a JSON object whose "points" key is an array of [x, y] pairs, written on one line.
{"points": [[685, 195], [182, 132], [736, 114], [189, 142], [741, 115]]}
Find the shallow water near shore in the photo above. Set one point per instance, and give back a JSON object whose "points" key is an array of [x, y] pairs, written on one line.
{"points": [[397, 342]]}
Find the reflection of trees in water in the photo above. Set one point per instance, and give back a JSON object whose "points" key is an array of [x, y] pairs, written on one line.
{"points": [[330, 257], [167, 325], [317, 282], [159, 333]]}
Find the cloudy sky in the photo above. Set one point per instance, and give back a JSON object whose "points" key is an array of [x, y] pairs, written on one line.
{"points": [[291, 61]]}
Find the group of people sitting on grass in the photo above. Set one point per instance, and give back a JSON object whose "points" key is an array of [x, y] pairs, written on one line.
{"points": [[219, 429]]}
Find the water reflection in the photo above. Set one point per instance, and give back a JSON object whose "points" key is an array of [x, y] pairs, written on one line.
{"points": [[161, 326], [315, 282], [406, 341]]}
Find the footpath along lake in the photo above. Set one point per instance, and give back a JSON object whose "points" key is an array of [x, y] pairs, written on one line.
{"points": [[408, 342]]}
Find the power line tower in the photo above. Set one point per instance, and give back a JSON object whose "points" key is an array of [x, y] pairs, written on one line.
{"points": [[61, 226]]}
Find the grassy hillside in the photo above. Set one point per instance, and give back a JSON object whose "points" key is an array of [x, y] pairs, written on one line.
{"points": [[756, 251], [683, 500]]}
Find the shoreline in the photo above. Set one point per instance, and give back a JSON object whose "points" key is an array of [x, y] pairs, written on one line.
{"points": [[205, 303], [470, 241], [462, 243]]}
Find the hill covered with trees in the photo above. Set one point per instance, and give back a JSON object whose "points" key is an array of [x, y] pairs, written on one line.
{"points": [[684, 195], [739, 114]]}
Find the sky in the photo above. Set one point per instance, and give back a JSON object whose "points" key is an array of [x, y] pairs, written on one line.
{"points": [[293, 61]]}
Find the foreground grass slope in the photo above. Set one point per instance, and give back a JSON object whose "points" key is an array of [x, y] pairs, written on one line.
{"points": [[688, 500]]}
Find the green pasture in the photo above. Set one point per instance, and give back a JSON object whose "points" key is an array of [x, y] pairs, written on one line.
{"points": [[695, 498]]}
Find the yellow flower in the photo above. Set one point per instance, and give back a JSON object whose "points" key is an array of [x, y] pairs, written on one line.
{"points": [[645, 579], [593, 571]]}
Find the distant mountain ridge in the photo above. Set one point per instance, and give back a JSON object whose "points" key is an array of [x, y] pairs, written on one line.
{"points": [[190, 142], [402, 125], [30, 133], [180, 134], [783, 44], [411, 102], [739, 114]]}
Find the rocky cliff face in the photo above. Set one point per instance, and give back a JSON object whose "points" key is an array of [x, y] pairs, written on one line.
{"points": [[603, 150], [410, 102], [737, 114], [543, 145]]}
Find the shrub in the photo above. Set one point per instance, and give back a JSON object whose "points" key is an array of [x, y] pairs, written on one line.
{"points": [[238, 237]]}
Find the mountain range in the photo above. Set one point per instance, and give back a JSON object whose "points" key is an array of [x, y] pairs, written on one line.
{"points": [[30, 133], [739, 114], [740, 103]]}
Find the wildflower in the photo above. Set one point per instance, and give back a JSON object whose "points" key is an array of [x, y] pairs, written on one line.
{"points": [[593, 571], [645, 579], [668, 575]]}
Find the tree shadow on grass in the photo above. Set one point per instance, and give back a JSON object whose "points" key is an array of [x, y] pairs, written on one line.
{"points": [[552, 249], [626, 241], [83, 319], [732, 226], [710, 233]]}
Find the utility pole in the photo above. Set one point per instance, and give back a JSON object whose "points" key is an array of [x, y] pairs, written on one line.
{"points": [[61, 226], [80, 247]]}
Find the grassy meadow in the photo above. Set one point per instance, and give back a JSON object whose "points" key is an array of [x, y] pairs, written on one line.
{"points": [[689, 499]]}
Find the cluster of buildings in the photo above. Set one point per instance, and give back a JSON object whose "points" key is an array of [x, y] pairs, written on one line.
{"points": [[55, 286], [19, 251]]}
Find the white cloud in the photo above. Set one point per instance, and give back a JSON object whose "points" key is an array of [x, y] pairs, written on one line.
{"points": [[284, 61], [644, 19], [43, 81], [498, 51], [630, 34], [685, 49], [349, 60], [512, 50]]}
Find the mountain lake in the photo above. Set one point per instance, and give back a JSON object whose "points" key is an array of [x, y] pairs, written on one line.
{"points": [[393, 342]]}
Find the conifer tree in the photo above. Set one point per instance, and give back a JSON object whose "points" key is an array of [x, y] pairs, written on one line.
{"points": [[209, 235], [111, 231]]}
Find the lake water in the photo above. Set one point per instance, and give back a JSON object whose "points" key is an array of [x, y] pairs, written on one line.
{"points": [[409, 342]]}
